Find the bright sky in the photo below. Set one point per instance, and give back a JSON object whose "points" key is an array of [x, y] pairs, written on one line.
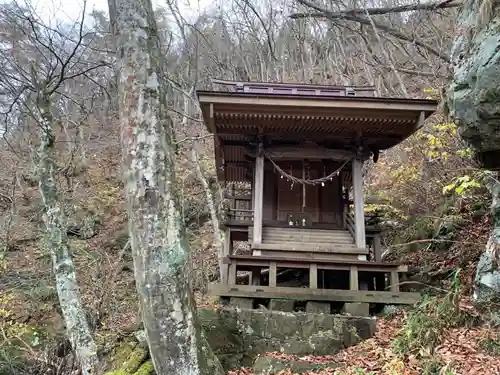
{"points": [[63, 10]]}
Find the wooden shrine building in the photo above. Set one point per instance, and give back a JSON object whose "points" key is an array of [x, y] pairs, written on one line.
{"points": [[293, 155]]}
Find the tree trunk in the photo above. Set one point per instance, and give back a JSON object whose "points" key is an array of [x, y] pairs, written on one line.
{"points": [[213, 214], [55, 221], [159, 246]]}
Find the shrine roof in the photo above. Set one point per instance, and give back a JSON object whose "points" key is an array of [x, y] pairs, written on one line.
{"points": [[332, 116]]}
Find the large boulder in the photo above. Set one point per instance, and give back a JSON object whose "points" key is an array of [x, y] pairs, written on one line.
{"points": [[474, 94]]}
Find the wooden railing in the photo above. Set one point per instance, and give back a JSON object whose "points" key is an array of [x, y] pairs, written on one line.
{"points": [[240, 207], [350, 224], [372, 239]]}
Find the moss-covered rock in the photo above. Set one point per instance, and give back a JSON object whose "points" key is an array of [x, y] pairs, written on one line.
{"points": [[130, 359], [145, 369]]}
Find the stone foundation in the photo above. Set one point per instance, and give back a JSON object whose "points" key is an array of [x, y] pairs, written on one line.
{"points": [[238, 336]]}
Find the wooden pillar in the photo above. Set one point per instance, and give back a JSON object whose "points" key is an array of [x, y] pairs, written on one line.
{"points": [[313, 276], [359, 210], [377, 248], [232, 271], [272, 273], [227, 250], [394, 281], [258, 190], [353, 278]]}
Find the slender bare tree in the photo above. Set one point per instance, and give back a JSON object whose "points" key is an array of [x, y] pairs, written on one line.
{"points": [[33, 86]]}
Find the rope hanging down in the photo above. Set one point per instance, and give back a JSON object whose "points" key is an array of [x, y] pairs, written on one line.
{"points": [[303, 181]]}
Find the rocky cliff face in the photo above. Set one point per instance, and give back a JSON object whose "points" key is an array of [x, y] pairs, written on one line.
{"points": [[474, 103], [474, 94]]}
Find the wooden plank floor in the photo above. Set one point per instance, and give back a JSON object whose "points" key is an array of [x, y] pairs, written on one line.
{"points": [[306, 294]]}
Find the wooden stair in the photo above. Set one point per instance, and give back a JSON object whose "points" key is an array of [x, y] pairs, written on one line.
{"points": [[296, 242]]}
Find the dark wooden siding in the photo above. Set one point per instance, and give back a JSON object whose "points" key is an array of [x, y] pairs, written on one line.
{"points": [[323, 204]]}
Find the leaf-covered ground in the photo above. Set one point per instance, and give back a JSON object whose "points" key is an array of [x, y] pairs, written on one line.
{"points": [[464, 351]]}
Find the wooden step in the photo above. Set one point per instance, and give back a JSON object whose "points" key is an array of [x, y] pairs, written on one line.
{"points": [[305, 230], [277, 235], [309, 234], [284, 238], [311, 256], [309, 247], [298, 233]]}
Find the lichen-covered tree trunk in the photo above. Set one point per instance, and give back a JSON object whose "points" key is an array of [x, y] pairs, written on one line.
{"points": [[158, 240], [55, 221]]}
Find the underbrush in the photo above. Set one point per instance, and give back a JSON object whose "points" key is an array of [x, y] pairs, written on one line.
{"points": [[426, 326], [491, 345], [26, 361]]}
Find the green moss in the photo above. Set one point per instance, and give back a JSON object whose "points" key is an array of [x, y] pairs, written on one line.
{"points": [[122, 353], [128, 359], [135, 360], [145, 369], [117, 372]]}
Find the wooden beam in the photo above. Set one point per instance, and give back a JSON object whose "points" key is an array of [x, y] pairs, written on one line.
{"points": [[304, 262], [342, 134], [306, 294], [359, 211], [355, 103], [309, 153], [258, 190]]}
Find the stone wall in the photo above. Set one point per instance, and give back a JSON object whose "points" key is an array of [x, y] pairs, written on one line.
{"points": [[238, 336]]}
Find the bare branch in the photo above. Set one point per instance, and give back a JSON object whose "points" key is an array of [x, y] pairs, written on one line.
{"points": [[65, 64], [362, 20], [383, 10]]}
